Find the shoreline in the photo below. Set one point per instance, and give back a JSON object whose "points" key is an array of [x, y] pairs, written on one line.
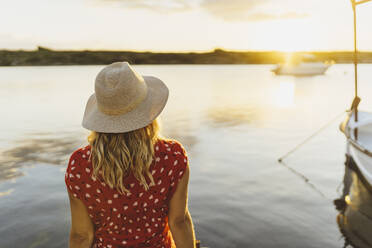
{"points": [[43, 56]]}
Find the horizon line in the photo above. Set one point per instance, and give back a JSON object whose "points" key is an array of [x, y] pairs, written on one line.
{"points": [[38, 48]]}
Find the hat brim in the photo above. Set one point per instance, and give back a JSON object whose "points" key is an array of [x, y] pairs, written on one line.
{"points": [[141, 116]]}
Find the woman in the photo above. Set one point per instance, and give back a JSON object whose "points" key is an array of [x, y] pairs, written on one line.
{"points": [[128, 187]]}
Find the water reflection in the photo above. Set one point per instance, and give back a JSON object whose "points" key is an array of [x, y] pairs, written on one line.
{"points": [[242, 108], [35, 213], [285, 95], [236, 118], [179, 127], [355, 206], [229, 116], [8, 192], [31, 151]]}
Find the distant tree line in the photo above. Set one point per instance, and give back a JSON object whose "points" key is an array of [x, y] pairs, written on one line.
{"points": [[46, 56]]}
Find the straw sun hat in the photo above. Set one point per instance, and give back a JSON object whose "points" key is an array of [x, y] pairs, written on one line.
{"points": [[123, 100]]}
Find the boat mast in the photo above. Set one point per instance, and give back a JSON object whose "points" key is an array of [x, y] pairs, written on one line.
{"points": [[356, 98], [354, 3]]}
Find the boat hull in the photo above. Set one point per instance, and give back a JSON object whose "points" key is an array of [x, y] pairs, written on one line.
{"points": [[355, 204], [355, 218], [302, 69], [360, 148]]}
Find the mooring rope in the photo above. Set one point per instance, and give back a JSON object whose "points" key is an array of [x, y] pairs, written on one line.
{"points": [[299, 174], [306, 180], [280, 160]]}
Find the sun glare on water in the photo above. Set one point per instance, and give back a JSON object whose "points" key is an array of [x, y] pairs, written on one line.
{"points": [[285, 95]]}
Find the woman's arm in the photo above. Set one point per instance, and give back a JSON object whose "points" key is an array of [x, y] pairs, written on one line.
{"points": [[179, 218], [82, 229]]}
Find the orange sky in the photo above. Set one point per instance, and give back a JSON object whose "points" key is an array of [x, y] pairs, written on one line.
{"points": [[183, 25]]}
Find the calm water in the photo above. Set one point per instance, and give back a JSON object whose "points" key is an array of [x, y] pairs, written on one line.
{"points": [[235, 122]]}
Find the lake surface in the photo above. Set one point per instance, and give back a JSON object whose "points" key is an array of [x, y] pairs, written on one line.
{"points": [[235, 121]]}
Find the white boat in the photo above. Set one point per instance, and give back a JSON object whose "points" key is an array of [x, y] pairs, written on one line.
{"points": [[355, 204], [359, 147], [357, 126], [355, 218], [302, 69]]}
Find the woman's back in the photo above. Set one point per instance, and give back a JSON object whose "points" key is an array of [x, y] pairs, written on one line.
{"points": [[135, 219]]}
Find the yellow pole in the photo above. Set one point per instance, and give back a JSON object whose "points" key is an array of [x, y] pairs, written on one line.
{"points": [[360, 2], [354, 3]]}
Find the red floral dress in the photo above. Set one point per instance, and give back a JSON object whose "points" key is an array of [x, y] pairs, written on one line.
{"points": [[135, 219]]}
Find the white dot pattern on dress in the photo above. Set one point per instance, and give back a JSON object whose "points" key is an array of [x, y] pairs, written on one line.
{"points": [[113, 212]]}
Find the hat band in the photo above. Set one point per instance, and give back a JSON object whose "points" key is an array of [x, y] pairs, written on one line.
{"points": [[125, 109]]}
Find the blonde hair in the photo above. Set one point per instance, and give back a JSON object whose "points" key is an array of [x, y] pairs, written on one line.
{"points": [[115, 155]]}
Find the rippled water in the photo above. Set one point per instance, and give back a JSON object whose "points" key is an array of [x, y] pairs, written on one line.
{"points": [[235, 122]]}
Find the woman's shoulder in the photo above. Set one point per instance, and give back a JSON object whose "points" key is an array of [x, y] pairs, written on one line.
{"points": [[173, 157], [79, 159], [170, 146], [77, 170], [172, 153], [81, 153]]}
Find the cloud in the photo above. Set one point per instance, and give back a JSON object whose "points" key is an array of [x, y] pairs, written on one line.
{"points": [[231, 10], [247, 10], [267, 16], [162, 6]]}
